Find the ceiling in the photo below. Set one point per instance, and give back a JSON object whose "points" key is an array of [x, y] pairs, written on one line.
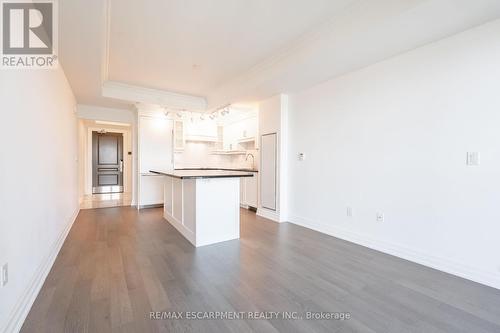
{"points": [[190, 46], [239, 50]]}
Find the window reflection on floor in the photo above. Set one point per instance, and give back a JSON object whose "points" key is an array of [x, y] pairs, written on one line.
{"points": [[106, 200]]}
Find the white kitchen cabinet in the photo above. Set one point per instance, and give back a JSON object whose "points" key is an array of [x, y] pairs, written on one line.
{"points": [[253, 128], [151, 190], [248, 129], [242, 192], [249, 191], [230, 137], [178, 135], [154, 143], [201, 130], [154, 152], [237, 133], [220, 138]]}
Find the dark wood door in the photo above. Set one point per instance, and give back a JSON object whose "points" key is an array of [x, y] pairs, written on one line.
{"points": [[107, 162]]}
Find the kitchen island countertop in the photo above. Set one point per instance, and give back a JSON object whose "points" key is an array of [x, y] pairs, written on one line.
{"points": [[197, 174], [224, 169]]}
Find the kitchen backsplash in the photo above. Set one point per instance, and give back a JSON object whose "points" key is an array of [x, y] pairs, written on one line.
{"points": [[198, 155]]}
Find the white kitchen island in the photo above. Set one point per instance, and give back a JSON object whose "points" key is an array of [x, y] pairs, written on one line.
{"points": [[203, 205]]}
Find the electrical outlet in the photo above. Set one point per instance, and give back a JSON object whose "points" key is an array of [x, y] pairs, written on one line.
{"points": [[5, 275], [349, 211], [380, 217]]}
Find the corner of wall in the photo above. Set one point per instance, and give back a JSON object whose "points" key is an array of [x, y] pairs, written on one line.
{"points": [[400, 251], [23, 307], [268, 214]]}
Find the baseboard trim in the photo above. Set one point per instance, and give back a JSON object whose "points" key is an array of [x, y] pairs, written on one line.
{"points": [[188, 234], [270, 215], [151, 206], [21, 310], [439, 263]]}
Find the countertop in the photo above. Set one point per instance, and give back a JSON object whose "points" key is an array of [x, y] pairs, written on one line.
{"points": [[225, 169], [203, 173]]}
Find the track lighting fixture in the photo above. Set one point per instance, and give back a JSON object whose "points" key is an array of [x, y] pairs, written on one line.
{"points": [[224, 111]]}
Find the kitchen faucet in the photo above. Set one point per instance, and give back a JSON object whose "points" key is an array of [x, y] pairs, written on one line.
{"points": [[253, 160]]}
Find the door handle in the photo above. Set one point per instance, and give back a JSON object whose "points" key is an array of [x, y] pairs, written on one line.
{"points": [[121, 166]]}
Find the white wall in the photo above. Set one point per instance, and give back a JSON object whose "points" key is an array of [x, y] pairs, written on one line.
{"points": [[38, 182], [393, 138], [82, 157], [92, 112]]}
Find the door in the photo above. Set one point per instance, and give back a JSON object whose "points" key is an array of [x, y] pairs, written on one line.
{"points": [[268, 171], [107, 162]]}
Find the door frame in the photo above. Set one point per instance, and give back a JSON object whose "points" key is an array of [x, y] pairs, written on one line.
{"points": [[97, 167], [127, 161]]}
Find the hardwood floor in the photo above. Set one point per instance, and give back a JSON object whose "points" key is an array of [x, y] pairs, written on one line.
{"points": [[118, 264]]}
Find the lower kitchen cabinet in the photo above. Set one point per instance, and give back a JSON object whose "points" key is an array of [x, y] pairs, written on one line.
{"points": [[249, 191]]}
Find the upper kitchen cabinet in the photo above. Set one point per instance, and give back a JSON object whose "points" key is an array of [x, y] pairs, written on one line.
{"points": [[154, 152], [229, 137], [178, 135], [248, 130], [154, 143], [248, 133], [200, 130], [241, 135]]}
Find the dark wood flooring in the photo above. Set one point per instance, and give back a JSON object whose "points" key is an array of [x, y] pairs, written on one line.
{"points": [[117, 265]]}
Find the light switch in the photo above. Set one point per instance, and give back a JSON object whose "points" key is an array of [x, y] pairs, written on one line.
{"points": [[473, 158], [301, 156], [380, 217]]}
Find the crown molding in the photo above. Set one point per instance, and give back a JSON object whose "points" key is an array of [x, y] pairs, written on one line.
{"points": [[362, 34], [136, 94]]}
